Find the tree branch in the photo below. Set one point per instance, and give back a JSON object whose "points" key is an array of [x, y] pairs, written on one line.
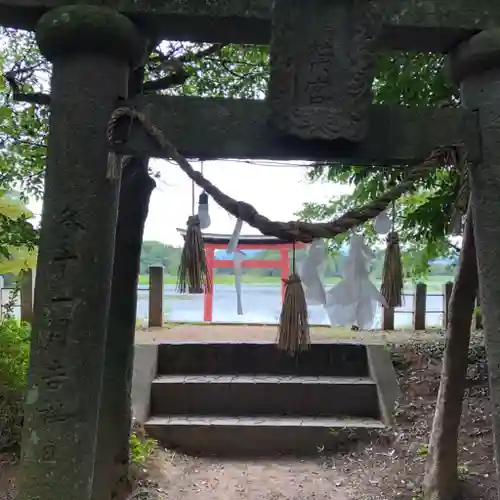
{"points": [[35, 98], [18, 96], [28, 143], [191, 56], [177, 78], [179, 74], [455, 247]]}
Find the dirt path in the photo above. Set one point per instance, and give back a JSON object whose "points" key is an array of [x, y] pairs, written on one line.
{"points": [[183, 478]]}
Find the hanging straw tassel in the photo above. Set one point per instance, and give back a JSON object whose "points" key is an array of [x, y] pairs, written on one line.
{"points": [[293, 329], [392, 280], [193, 271]]}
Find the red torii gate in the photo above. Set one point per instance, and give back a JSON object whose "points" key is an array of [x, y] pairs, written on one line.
{"points": [[215, 242]]}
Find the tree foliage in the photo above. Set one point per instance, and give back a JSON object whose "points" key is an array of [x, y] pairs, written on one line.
{"points": [[175, 68], [155, 253], [23, 132], [23, 127], [237, 71]]}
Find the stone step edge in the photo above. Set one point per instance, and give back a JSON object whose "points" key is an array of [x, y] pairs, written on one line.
{"points": [[260, 379], [322, 342], [279, 421]]}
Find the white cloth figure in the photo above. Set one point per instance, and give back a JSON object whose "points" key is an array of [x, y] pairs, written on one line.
{"points": [[353, 301], [238, 258], [310, 272]]}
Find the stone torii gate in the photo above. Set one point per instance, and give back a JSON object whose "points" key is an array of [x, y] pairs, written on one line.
{"points": [[319, 106]]}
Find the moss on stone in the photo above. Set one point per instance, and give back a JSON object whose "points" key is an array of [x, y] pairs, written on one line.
{"points": [[89, 29], [260, 9]]}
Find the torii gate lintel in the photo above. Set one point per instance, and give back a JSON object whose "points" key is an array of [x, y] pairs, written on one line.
{"points": [[425, 26]]}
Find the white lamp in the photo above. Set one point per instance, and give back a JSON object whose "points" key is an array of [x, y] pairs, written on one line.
{"points": [[203, 214]]}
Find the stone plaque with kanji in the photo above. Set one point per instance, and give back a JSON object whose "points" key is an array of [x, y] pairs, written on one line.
{"points": [[322, 67]]}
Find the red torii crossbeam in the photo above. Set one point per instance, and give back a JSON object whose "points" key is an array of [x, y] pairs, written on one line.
{"points": [[215, 242]]}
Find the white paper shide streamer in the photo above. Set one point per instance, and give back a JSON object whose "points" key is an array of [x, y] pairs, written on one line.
{"points": [[354, 300], [310, 272], [238, 258]]}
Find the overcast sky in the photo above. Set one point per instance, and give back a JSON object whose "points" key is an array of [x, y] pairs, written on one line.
{"points": [[276, 191]]}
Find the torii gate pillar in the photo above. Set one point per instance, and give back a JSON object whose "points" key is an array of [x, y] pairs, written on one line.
{"points": [[91, 48], [476, 65]]}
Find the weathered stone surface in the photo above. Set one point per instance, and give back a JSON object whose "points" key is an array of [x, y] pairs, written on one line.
{"points": [[73, 278], [72, 284], [89, 29], [408, 24], [322, 68], [481, 91], [225, 128]]}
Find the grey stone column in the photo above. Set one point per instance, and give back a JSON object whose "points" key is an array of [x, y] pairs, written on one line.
{"points": [[91, 48], [476, 65]]}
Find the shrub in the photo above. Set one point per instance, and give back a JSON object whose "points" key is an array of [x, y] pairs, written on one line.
{"points": [[141, 448], [14, 355], [14, 358]]}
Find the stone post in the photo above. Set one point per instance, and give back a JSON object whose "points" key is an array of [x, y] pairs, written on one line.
{"points": [[26, 292], [92, 48], [156, 296], [476, 66], [420, 307]]}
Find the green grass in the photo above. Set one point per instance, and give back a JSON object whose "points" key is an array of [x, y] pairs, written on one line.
{"points": [[434, 283]]}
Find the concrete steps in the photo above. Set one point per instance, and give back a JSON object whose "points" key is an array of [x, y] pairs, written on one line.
{"points": [[254, 436], [235, 395], [250, 398], [195, 358]]}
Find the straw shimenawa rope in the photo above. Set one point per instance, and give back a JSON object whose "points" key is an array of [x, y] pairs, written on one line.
{"points": [[305, 232]]}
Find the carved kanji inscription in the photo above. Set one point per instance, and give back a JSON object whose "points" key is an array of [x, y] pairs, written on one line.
{"points": [[55, 375], [56, 413], [322, 67]]}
